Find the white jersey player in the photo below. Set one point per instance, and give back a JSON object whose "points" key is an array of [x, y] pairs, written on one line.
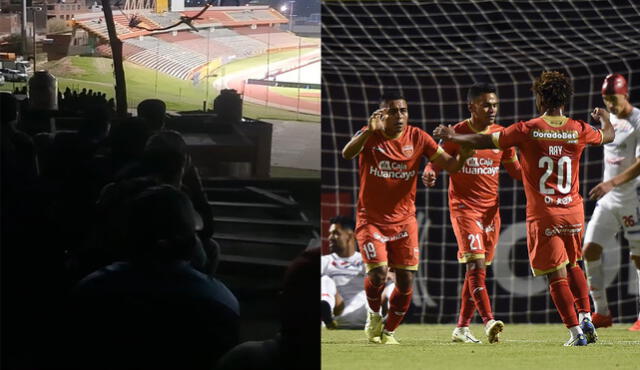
{"points": [[619, 192], [343, 299]]}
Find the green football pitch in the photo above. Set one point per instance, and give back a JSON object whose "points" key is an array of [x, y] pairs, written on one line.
{"points": [[522, 346], [95, 73]]}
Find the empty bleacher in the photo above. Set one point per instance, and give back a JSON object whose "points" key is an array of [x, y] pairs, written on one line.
{"points": [[165, 57]]}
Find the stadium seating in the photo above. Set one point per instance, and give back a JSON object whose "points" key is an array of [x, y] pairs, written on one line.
{"points": [[165, 57]]}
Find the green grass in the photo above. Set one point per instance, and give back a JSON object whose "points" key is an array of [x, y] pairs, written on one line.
{"points": [[293, 92], [522, 346], [96, 73]]}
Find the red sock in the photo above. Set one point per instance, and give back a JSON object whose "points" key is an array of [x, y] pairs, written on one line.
{"points": [[478, 291], [563, 299], [398, 305], [579, 288], [374, 294], [467, 306]]}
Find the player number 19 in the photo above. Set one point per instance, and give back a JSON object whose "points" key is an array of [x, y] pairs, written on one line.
{"points": [[564, 182], [370, 250]]}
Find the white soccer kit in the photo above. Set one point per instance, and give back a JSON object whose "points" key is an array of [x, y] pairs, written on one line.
{"points": [[345, 276], [621, 206]]}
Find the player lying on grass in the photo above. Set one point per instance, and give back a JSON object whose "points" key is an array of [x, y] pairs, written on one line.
{"points": [[390, 152], [474, 209], [343, 301], [551, 146], [618, 205]]}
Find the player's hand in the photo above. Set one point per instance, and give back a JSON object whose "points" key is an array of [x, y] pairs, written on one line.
{"points": [[429, 178], [600, 113], [466, 151], [600, 190], [443, 132], [377, 119]]}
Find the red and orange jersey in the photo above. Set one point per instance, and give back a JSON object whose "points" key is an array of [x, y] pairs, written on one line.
{"points": [[388, 170], [550, 151], [475, 186]]}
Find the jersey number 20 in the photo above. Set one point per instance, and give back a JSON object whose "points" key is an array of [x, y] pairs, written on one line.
{"points": [[564, 180]]}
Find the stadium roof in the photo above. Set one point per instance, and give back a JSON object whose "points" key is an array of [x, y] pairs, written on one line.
{"points": [[213, 17]]}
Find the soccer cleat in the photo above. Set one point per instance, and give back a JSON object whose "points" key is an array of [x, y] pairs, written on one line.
{"points": [[373, 327], [580, 340], [601, 321], [463, 335], [387, 337], [635, 326], [493, 328], [589, 330], [326, 316]]}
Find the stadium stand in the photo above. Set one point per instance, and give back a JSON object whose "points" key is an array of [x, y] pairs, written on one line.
{"points": [[165, 57], [181, 52]]}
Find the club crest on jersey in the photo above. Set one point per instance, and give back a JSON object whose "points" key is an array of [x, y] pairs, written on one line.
{"points": [[407, 150]]}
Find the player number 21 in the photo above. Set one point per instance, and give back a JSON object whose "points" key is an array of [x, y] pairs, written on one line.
{"points": [[370, 250], [474, 241], [564, 181]]}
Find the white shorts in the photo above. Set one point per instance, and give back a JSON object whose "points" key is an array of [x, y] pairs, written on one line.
{"points": [[607, 220]]}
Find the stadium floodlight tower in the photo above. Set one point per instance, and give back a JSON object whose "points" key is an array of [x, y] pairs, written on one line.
{"points": [[284, 8]]}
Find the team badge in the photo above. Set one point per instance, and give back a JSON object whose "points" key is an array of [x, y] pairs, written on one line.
{"points": [[407, 150]]}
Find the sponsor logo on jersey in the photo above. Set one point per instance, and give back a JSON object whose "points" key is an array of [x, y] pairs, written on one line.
{"points": [[564, 135], [407, 150], [384, 239], [479, 166], [615, 161], [558, 201], [563, 230], [392, 170]]}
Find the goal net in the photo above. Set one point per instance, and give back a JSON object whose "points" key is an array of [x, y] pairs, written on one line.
{"points": [[432, 52]]}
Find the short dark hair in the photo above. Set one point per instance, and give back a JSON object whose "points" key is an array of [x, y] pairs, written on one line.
{"points": [[345, 222], [153, 111], [165, 154], [388, 95], [478, 89], [554, 89], [157, 213]]}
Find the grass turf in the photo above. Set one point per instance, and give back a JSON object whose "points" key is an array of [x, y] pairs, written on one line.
{"points": [[522, 346], [96, 73]]}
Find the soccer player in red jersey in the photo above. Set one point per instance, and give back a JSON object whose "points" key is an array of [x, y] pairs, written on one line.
{"points": [[474, 209], [551, 146], [390, 152]]}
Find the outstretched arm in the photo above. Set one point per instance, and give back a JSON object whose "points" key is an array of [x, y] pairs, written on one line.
{"points": [[453, 164], [606, 186], [608, 133], [475, 141], [514, 169], [355, 145]]}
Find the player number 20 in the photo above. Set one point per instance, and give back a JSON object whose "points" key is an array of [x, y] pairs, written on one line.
{"points": [[370, 250], [564, 180]]}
